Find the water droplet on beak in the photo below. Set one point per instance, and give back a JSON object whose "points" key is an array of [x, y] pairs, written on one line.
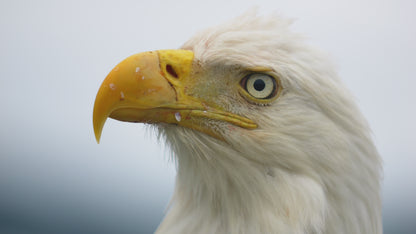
{"points": [[178, 116]]}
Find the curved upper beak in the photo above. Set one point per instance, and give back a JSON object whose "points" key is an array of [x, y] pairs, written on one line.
{"points": [[150, 87]]}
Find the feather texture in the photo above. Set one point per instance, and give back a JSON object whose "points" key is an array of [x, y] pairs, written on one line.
{"points": [[310, 167]]}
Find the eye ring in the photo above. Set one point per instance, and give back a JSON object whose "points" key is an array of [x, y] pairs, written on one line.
{"points": [[260, 86]]}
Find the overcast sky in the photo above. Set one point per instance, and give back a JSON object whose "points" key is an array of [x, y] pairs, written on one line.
{"points": [[54, 55]]}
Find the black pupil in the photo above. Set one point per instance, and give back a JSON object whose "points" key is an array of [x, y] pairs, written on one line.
{"points": [[259, 85]]}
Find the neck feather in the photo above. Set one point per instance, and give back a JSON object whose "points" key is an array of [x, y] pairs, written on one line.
{"points": [[218, 190], [223, 188]]}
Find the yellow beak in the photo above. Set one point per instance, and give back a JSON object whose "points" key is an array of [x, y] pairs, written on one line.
{"points": [[150, 87]]}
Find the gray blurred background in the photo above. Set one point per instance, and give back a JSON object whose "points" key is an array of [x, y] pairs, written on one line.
{"points": [[54, 177]]}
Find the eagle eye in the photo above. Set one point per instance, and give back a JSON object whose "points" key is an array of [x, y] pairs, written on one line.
{"points": [[260, 86]]}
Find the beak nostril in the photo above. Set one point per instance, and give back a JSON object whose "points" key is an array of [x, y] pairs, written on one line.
{"points": [[171, 71]]}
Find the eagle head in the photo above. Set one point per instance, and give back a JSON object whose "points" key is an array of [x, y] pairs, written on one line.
{"points": [[266, 137]]}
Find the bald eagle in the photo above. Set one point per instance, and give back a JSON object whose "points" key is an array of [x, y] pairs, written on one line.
{"points": [[266, 137]]}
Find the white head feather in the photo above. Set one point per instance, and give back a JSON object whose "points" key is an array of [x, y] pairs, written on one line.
{"points": [[310, 167]]}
